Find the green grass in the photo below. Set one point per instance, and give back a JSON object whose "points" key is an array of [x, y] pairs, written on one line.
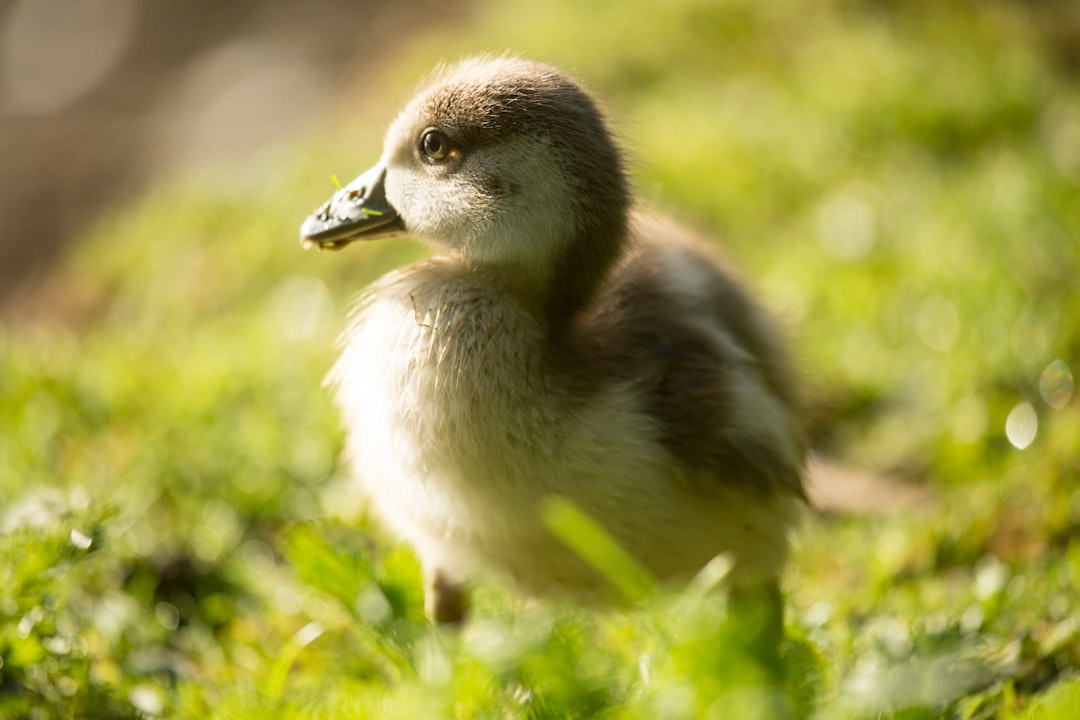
{"points": [[179, 538]]}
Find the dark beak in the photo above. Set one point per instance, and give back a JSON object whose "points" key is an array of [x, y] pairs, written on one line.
{"points": [[358, 211]]}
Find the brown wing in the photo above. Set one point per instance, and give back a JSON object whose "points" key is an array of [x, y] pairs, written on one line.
{"points": [[708, 360]]}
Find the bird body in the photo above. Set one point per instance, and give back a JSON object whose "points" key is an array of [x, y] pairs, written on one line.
{"points": [[560, 345]]}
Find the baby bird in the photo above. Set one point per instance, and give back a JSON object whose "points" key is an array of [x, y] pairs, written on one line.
{"points": [[560, 344]]}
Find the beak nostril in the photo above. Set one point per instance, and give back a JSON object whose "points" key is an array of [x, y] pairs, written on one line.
{"points": [[359, 209]]}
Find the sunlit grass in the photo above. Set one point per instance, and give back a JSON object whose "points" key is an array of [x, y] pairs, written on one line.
{"points": [[178, 537]]}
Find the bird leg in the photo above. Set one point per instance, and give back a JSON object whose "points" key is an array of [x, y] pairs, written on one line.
{"points": [[445, 601], [759, 612], [757, 617]]}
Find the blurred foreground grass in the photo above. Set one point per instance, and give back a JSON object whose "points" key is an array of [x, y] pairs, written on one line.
{"points": [[900, 180]]}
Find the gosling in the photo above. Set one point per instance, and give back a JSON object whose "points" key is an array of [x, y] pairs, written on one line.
{"points": [[560, 344]]}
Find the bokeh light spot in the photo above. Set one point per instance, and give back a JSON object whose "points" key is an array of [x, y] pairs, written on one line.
{"points": [[229, 103], [373, 606], [847, 228], [991, 575], [1022, 425], [80, 539], [1056, 384], [54, 53], [148, 698], [287, 600], [167, 615], [301, 306], [937, 323]]}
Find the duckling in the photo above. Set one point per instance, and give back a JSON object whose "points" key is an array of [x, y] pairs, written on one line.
{"points": [[561, 343]]}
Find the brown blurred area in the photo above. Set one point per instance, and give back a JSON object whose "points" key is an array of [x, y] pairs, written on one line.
{"points": [[100, 98]]}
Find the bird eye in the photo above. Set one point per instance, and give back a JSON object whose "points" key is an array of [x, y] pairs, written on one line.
{"points": [[436, 146]]}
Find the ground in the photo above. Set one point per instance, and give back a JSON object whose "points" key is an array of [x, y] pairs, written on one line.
{"points": [[178, 536]]}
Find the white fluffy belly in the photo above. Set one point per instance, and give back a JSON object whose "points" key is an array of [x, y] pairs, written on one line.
{"points": [[458, 439]]}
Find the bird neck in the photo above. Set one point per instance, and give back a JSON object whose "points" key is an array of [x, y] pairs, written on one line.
{"points": [[555, 290], [578, 272]]}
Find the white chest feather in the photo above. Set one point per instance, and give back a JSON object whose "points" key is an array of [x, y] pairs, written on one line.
{"points": [[453, 429], [458, 436]]}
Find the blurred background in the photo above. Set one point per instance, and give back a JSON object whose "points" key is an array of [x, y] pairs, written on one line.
{"points": [[100, 99], [899, 180]]}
